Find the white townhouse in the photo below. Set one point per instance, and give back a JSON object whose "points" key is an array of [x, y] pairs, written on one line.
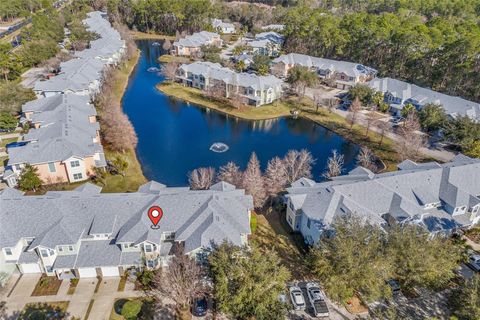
{"points": [[223, 27], [438, 197], [190, 46], [342, 74], [252, 89], [84, 233], [83, 75], [399, 93], [267, 43]]}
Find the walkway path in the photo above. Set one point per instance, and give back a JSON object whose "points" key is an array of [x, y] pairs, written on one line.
{"points": [[79, 301]]}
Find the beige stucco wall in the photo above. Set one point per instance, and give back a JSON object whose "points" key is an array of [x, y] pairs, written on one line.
{"points": [[60, 174]]}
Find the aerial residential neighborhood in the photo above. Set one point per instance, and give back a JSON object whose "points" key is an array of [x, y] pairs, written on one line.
{"points": [[216, 159]]}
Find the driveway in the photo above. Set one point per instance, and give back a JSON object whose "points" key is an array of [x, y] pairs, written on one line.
{"points": [[79, 301]]}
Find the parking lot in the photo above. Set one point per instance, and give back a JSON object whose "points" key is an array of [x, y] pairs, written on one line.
{"points": [[336, 312]]}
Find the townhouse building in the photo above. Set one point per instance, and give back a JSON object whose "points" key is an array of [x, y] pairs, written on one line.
{"points": [[190, 46], [340, 74], [84, 233], [399, 93], [267, 43], [253, 90], [64, 142], [438, 197], [223, 27]]}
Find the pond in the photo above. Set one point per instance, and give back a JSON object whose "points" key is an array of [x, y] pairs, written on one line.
{"points": [[175, 137]]}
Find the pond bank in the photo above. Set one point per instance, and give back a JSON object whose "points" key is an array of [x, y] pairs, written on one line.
{"points": [[280, 109], [133, 176]]}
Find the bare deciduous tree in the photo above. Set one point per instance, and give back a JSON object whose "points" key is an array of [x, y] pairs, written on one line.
{"points": [[353, 111], [334, 165], [169, 70], [366, 159], [253, 181], [181, 282], [236, 100], [383, 128], [298, 164], [117, 130], [411, 138], [330, 103], [215, 90], [167, 45], [201, 178], [230, 173], [275, 177], [370, 119]]}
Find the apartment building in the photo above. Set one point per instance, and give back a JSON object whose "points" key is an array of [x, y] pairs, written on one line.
{"points": [[190, 46], [399, 93], [341, 74], [64, 142], [84, 233], [438, 197], [253, 90]]}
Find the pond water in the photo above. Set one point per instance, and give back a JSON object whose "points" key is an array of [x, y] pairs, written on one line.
{"points": [[175, 137]]}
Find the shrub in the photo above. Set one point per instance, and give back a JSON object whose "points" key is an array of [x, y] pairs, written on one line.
{"points": [[145, 278], [131, 309], [74, 281]]}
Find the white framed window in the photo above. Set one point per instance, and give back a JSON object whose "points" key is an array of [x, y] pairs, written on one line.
{"points": [[70, 248], [148, 248], [8, 251], [75, 163], [170, 236], [51, 167], [77, 176], [44, 253], [60, 249]]}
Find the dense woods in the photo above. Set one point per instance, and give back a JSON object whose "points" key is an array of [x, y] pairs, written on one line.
{"points": [[435, 49], [11, 9]]}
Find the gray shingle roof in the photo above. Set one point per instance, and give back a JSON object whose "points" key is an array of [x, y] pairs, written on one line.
{"points": [[402, 194], [349, 68], [197, 39], [217, 72], [454, 106], [63, 218]]}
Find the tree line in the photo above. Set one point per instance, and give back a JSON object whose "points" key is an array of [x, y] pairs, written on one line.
{"points": [[440, 52], [12, 9]]}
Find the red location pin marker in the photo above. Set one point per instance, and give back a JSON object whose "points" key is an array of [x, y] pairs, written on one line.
{"points": [[155, 214]]}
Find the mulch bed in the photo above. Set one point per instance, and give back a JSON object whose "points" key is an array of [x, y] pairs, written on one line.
{"points": [[47, 286]]}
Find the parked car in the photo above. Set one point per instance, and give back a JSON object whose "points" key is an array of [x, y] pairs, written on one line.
{"points": [[317, 300], [296, 296], [397, 120], [474, 262], [200, 307], [394, 285]]}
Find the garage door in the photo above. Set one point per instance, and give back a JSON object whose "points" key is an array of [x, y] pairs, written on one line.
{"points": [[87, 272], [110, 271], [30, 268]]}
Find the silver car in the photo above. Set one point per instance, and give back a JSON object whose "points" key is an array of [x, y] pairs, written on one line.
{"points": [[474, 262], [297, 298]]}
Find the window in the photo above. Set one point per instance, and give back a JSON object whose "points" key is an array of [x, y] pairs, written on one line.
{"points": [[75, 163], [44, 253], [148, 248], [77, 176], [60, 249], [170, 236], [8, 251], [150, 263], [70, 248], [289, 220], [51, 167]]}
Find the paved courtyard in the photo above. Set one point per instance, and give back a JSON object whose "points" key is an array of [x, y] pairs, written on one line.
{"points": [[104, 298]]}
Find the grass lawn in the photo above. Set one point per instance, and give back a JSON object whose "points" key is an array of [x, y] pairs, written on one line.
{"points": [[282, 108], [4, 142], [253, 222], [50, 310], [122, 283], [271, 111], [73, 286], [143, 35], [47, 286], [133, 176], [272, 232], [165, 58], [147, 311]]}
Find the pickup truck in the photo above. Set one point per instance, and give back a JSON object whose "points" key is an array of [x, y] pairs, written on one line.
{"points": [[317, 300]]}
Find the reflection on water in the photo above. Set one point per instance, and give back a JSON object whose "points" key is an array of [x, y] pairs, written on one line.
{"points": [[175, 137]]}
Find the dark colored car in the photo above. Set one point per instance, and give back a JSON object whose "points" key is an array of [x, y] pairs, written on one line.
{"points": [[200, 307]]}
